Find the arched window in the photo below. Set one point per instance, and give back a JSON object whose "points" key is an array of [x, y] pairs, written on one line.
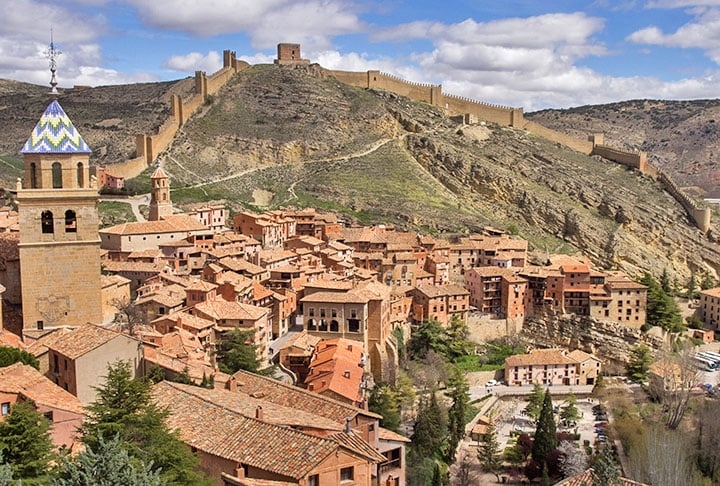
{"points": [[80, 175], [46, 219], [33, 176], [57, 175], [70, 221]]}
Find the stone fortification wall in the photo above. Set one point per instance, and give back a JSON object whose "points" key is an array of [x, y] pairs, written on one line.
{"points": [[584, 146], [427, 93], [636, 160], [148, 146], [502, 115], [353, 78], [700, 215]]}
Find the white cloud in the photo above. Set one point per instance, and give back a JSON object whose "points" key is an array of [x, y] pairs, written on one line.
{"points": [[311, 22], [194, 61]]}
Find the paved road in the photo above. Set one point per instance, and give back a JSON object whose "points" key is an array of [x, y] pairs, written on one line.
{"points": [[134, 201]]}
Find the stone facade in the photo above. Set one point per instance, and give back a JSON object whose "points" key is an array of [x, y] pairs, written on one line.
{"points": [[59, 243]]}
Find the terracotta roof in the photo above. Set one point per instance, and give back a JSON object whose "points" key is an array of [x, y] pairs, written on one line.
{"points": [[334, 367], [146, 267], [389, 435], [224, 433], [581, 356], [711, 292], [28, 382], [292, 396], [540, 357], [82, 340], [186, 320], [586, 479], [442, 290], [223, 309], [574, 269], [201, 285], [159, 173]]}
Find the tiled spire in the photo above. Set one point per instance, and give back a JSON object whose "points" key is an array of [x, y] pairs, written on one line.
{"points": [[55, 133]]}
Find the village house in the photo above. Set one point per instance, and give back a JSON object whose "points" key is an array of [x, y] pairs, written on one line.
{"points": [[23, 383], [263, 440], [709, 308], [297, 352], [357, 312], [552, 367], [271, 229], [336, 370], [79, 359], [362, 422], [441, 303]]}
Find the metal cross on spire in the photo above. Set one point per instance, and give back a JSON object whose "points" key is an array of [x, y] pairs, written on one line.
{"points": [[52, 53]]}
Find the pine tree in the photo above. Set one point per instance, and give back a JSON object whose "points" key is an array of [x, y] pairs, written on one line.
{"points": [[692, 287], [25, 442], [10, 355], [460, 395], [489, 452], [545, 440], [569, 412], [535, 401], [384, 401], [665, 282], [639, 364], [236, 352], [124, 408], [108, 465], [430, 429], [604, 471]]}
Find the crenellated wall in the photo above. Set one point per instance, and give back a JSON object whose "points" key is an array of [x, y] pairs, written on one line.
{"points": [[584, 146], [148, 146], [700, 215]]}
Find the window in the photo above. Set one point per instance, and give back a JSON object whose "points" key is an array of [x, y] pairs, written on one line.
{"points": [[33, 176], [5, 408], [46, 221], [347, 474], [70, 221], [80, 175], [48, 415], [56, 175], [314, 480]]}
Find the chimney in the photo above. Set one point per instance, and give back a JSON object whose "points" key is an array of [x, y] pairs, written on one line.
{"points": [[240, 471], [347, 425], [259, 413], [232, 384]]}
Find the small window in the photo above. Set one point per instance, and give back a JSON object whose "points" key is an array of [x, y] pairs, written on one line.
{"points": [[347, 474], [57, 175], [314, 480], [47, 223], [70, 221], [80, 175], [5, 408], [48, 415]]}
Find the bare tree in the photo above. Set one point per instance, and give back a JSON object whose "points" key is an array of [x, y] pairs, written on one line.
{"points": [[461, 471], [662, 459], [674, 376], [129, 316]]}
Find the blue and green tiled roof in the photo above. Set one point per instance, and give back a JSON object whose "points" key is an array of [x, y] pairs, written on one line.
{"points": [[55, 133]]}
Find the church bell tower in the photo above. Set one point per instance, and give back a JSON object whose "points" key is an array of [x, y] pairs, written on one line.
{"points": [[58, 211]]}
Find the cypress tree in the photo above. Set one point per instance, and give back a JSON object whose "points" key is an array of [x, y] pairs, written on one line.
{"points": [[546, 433], [460, 395]]}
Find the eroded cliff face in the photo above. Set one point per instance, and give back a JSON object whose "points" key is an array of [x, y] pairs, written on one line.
{"points": [[609, 341], [616, 216]]}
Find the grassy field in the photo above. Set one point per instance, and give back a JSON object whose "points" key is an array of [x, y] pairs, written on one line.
{"points": [[11, 167], [115, 212]]}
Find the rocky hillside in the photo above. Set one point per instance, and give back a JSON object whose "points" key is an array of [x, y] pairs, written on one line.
{"points": [[681, 137], [277, 137]]}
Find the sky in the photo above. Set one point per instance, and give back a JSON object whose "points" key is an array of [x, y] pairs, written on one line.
{"points": [[532, 54]]}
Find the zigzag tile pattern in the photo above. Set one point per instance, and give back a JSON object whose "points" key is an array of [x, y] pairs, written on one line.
{"points": [[55, 133]]}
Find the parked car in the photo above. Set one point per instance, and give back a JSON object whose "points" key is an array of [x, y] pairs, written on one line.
{"points": [[491, 383]]}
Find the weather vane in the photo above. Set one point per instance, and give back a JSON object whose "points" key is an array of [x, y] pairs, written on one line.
{"points": [[52, 53]]}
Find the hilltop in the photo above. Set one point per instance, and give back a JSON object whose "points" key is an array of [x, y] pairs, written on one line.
{"points": [[278, 137]]}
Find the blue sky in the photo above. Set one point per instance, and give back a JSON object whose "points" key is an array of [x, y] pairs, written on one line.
{"points": [[524, 53]]}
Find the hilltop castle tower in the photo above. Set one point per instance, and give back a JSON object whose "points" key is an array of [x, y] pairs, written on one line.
{"points": [[160, 203], [58, 212]]}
